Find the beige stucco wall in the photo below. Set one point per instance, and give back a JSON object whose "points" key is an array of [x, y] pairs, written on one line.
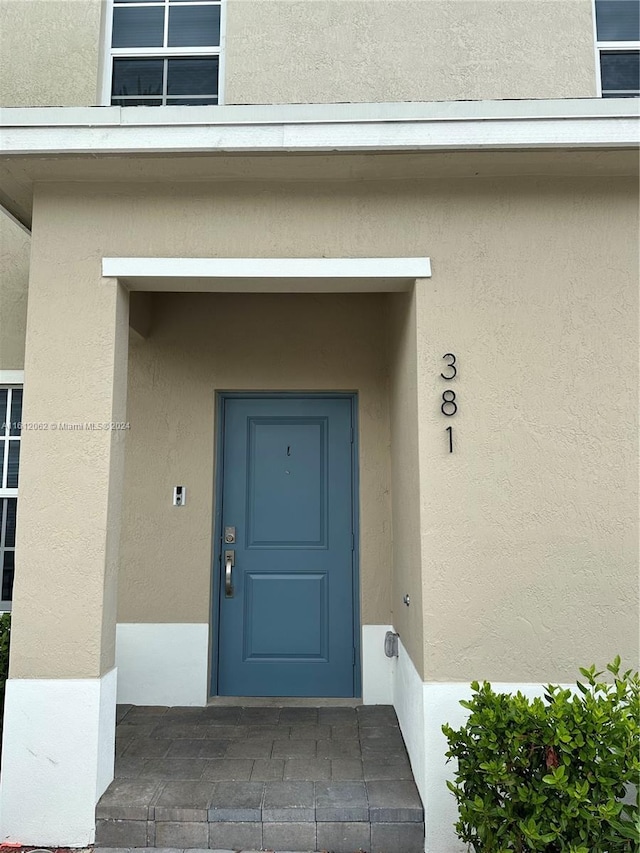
{"points": [[529, 537], [530, 528], [324, 51], [49, 52], [408, 619], [201, 343], [15, 246], [71, 469]]}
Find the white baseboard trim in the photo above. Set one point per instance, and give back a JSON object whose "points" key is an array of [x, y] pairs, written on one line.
{"points": [[162, 663], [106, 731], [408, 701], [422, 709], [168, 664], [377, 669], [57, 758]]}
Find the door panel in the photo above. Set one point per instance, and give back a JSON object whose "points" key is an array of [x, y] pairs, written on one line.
{"points": [[286, 616], [288, 627], [287, 490]]}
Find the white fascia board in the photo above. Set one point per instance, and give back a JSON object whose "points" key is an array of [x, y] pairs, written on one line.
{"points": [[250, 268], [11, 377], [588, 123], [356, 113]]}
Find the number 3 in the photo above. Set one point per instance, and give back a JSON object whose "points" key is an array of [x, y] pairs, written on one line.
{"points": [[450, 365]]}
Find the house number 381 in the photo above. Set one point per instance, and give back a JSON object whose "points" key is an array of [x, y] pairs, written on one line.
{"points": [[449, 405]]}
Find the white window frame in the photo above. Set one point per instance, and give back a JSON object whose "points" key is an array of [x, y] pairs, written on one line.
{"points": [[10, 380], [110, 53], [605, 47]]}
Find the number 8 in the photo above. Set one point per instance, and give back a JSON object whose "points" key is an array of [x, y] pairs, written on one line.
{"points": [[448, 401]]}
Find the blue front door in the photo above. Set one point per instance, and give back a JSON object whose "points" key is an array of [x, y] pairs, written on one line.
{"points": [[286, 603]]}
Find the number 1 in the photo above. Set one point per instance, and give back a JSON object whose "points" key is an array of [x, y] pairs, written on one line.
{"points": [[450, 431]]}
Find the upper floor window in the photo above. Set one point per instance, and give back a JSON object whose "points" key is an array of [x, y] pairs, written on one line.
{"points": [[10, 424], [618, 35], [165, 52]]}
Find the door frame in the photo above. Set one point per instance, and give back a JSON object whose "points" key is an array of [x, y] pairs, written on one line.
{"points": [[216, 568]]}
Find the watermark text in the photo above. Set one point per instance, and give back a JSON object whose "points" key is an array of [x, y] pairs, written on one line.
{"points": [[65, 426]]}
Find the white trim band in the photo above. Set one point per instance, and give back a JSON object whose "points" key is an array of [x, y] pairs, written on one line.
{"points": [[167, 664], [448, 126], [368, 268], [57, 758], [162, 663], [11, 377], [268, 275], [345, 113], [377, 669]]}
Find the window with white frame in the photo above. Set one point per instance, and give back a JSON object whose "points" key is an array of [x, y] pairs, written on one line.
{"points": [[10, 418], [618, 39], [165, 52]]}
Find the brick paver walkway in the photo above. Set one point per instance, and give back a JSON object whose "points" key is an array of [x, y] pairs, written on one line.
{"points": [[283, 779]]}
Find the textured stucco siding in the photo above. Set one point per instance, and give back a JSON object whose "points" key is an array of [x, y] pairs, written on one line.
{"points": [[326, 51], [71, 468], [14, 280], [49, 52], [408, 619], [201, 343], [527, 565], [530, 529], [323, 51]]}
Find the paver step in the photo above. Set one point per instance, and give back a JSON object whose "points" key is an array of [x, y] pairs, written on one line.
{"points": [[284, 779], [305, 837]]}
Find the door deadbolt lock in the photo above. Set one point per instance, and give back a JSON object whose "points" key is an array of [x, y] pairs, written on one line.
{"points": [[230, 535]]}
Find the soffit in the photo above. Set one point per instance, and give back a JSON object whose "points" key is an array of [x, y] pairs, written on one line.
{"points": [[19, 175]]}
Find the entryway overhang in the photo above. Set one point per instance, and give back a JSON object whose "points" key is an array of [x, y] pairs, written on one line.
{"points": [[268, 275], [311, 142], [444, 126]]}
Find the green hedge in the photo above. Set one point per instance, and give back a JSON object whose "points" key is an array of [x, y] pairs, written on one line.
{"points": [[552, 776]]}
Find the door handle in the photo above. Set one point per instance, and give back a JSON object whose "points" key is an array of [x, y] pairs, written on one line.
{"points": [[229, 562]]}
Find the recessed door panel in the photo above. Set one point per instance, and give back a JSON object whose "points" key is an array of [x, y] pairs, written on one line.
{"points": [[286, 616], [286, 482]]}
